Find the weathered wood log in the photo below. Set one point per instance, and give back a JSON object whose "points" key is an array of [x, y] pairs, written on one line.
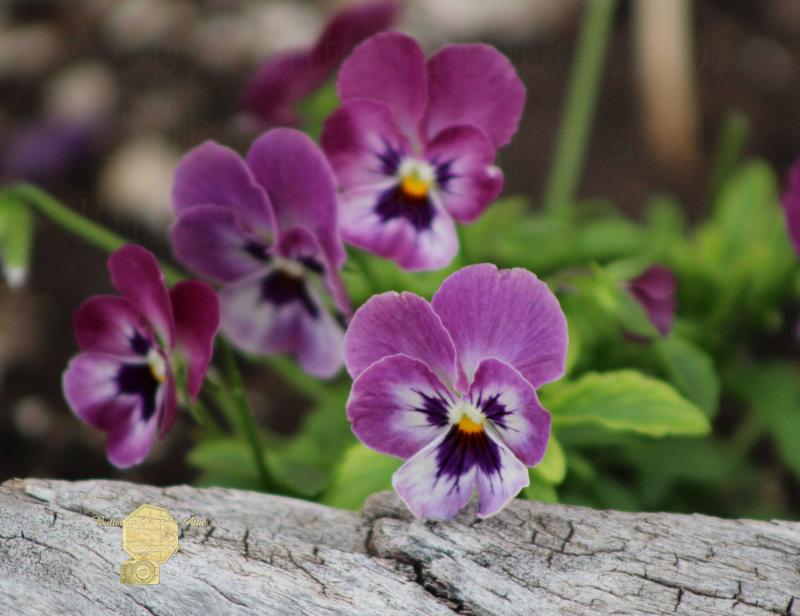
{"points": [[264, 554]]}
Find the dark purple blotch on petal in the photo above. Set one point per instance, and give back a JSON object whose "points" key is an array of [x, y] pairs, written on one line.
{"points": [[138, 380], [655, 291], [493, 409], [435, 408], [281, 288], [140, 343], [460, 451], [394, 203]]}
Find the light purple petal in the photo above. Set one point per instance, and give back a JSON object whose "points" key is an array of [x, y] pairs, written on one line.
{"points": [[363, 144], [130, 441], [212, 174], [209, 240], [507, 314], [90, 388], [427, 493], [474, 84], [791, 205], [263, 327], [392, 323], [497, 488], [280, 83], [300, 186], [137, 277], [397, 238], [196, 309], [349, 27], [390, 68], [107, 324], [468, 181], [510, 403], [398, 406]]}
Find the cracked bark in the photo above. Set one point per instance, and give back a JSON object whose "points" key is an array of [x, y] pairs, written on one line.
{"points": [[265, 554]]}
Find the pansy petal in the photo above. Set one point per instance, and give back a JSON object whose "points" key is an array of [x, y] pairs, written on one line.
{"points": [[109, 324], [137, 277], [497, 486], [348, 27], [427, 489], [263, 315], [390, 68], [509, 401], [300, 186], [169, 411], [467, 180], [212, 174], [129, 442], [654, 289], [372, 219], [507, 314], [791, 205], [91, 390], [282, 81], [392, 323], [209, 240], [363, 144], [196, 309], [397, 406], [474, 84]]}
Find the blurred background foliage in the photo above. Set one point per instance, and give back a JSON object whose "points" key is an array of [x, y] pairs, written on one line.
{"points": [[706, 419]]}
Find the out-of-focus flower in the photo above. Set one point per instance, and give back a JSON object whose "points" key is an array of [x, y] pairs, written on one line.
{"points": [[123, 381], [655, 289], [287, 78], [450, 386], [44, 150], [791, 205], [266, 229], [413, 145]]}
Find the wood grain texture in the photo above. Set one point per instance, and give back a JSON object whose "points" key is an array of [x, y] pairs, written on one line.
{"points": [[265, 554]]}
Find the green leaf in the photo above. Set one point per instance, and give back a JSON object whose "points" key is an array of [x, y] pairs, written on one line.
{"points": [[542, 491], [362, 472], [553, 467], [626, 400], [691, 370], [225, 462]]}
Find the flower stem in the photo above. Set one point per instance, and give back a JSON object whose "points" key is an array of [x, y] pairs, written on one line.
{"points": [[246, 421], [573, 134], [78, 225]]}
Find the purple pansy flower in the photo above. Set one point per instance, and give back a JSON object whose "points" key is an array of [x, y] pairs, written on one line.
{"points": [[123, 381], [450, 386], [791, 205], [413, 144], [654, 289], [287, 78], [266, 229]]}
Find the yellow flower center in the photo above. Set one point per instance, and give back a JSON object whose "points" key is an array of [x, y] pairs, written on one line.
{"points": [[158, 367], [414, 186], [469, 426]]}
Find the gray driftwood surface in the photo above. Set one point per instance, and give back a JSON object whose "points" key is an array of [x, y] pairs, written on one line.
{"points": [[270, 555]]}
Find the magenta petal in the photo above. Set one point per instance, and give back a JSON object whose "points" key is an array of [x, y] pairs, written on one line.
{"points": [[507, 314], [471, 182], [130, 441], [107, 324], [90, 388], [791, 205], [261, 327], [363, 144], [349, 27], [196, 309], [498, 487], [137, 277], [474, 84], [209, 240], [509, 401], [280, 83], [397, 406], [390, 68], [300, 185], [428, 493], [169, 412], [654, 289], [392, 323], [212, 174], [397, 238]]}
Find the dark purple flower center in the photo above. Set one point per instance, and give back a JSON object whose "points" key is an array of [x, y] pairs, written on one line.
{"points": [[258, 251], [397, 203], [140, 344], [139, 380], [462, 449], [280, 287]]}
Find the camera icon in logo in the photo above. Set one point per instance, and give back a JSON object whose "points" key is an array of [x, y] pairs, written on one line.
{"points": [[150, 537], [138, 572]]}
